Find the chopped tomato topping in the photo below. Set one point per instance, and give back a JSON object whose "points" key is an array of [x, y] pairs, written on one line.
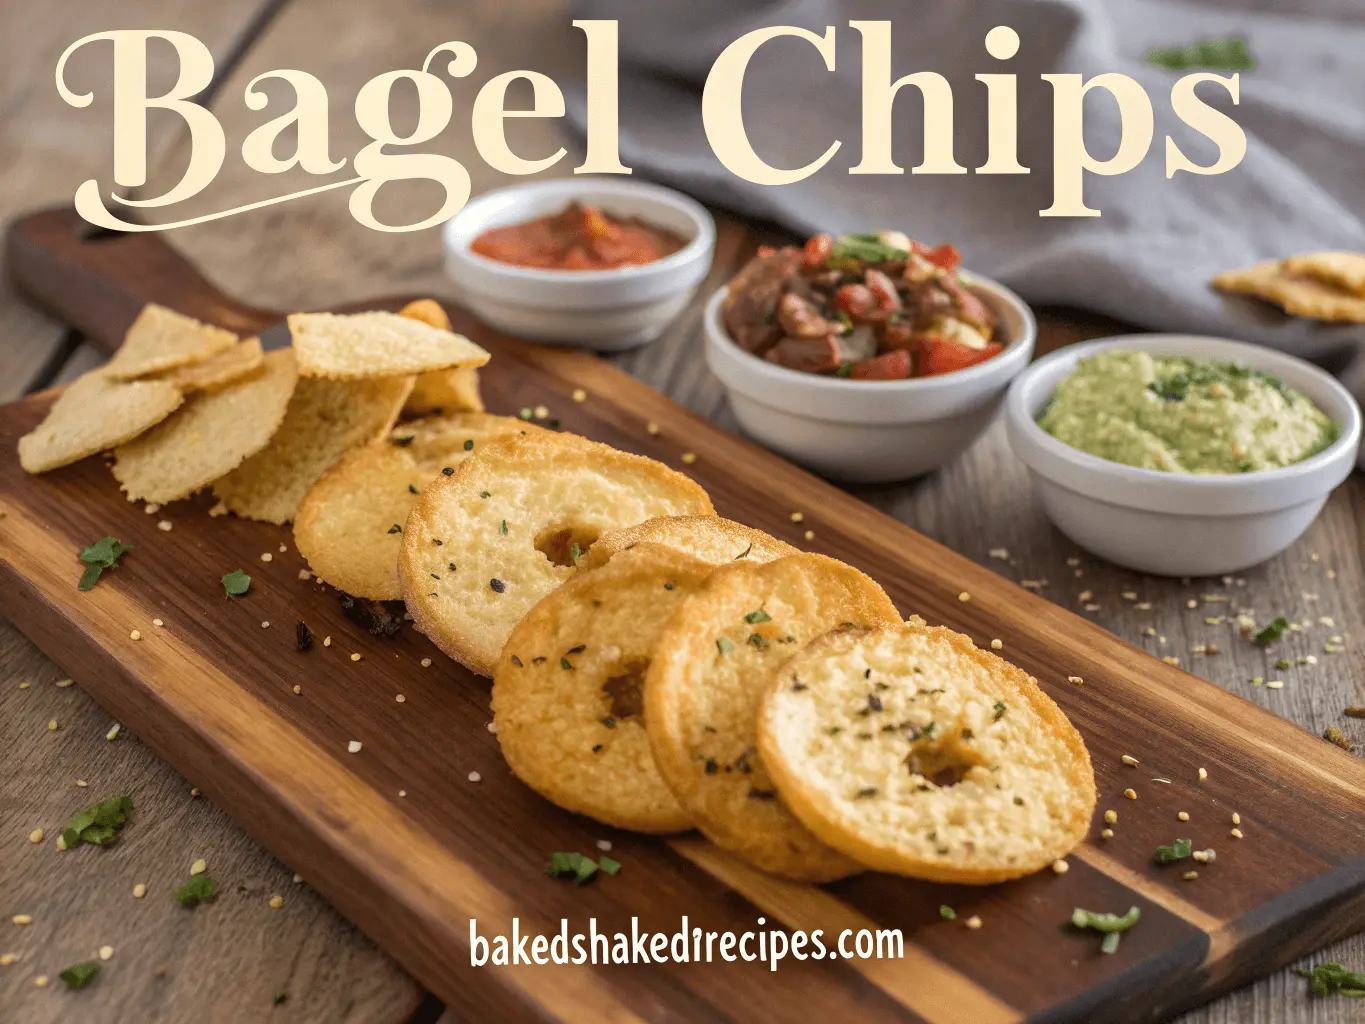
{"points": [[947, 356], [887, 366], [817, 250], [944, 256]]}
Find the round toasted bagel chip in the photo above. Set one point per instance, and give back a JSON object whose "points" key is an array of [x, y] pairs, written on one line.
{"points": [[349, 525], [913, 751], [568, 697], [324, 420], [710, 667], [161, 339], [709, 538], [210, 435], [376, 344], [94, 414], [488, 541]]}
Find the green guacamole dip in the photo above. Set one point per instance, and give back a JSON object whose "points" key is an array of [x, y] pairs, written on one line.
{"points": [[1184, 415]]}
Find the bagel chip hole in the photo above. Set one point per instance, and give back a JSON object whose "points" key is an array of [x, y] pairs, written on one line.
{"points": [[626, 690], [557, 542], [943, 762]]}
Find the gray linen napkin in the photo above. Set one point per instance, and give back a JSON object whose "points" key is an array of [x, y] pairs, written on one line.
{"points": [[1149, 257]]}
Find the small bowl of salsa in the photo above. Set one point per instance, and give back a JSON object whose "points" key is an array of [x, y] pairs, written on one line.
{"points": [[595, 263]]}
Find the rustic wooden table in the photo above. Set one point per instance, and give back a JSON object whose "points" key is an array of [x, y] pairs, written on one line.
{"points": [[230, 965]]}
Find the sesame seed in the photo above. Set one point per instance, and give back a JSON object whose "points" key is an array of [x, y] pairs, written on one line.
{"points": [[36, 836], [82, 783], [426, 663], [327, 641], [798, 517], [157, 622], [355, 657], [1183, 816], [164, 526], [402, 792], [1190, 876], [604, 845], [542, 412], [1111, 817], [964, 597], [493, 728], [41, 981], [276, 902], [22, 919], [1075, 679], [1002, 554], [297, 688], [1170, 659], [199, 867], [1236, 833], [1191, 603], [304, 574], [52, 725], [353, 747], [652, 429], [689, 457], [1275, 684], [135, 635], [810, 535], [1060, 867], [399, 698], [139, 891], [1236, 818], [265, 624], [297, 878], [474, 777], [1129, 760], [151, 508], [194, 792], [1085, 595], [1107, 833], [106, 952], [25, 685], [1130, 794], [113, 732], [579, 395], [973, 922], [1203, 774], [997, 644], [284, 548], [266, 556]]}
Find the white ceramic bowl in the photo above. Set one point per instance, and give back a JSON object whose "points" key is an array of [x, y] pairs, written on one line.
{"points": [[606, 310], [1176, 524], [871, 431]]}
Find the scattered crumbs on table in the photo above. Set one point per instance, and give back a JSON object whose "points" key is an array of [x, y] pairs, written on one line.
{"points": [[22, 919], [475, 777], [1236, 833], [53, 725], [1085, 596], [1190, 876], [1076, 680], [1170, 659], [426, 663], [1073, 561], [36, 836], [194, 792], [1061, 866], [298, 878], [327, 641], [106, 952], [305, 574], [997, 644], [973, 922], [157, 622], [1334, 735], [809, 535], [353, 747], [604, 845], [8, 958], [579, 395], [1111, 817], [652, 429], [41, 981], [1274, 684], [297, 689], [1129, 760], [25, 685], [276, 902], [402, 792], [1182, 816], [113, 732], [689, 458], [165, 526], [1002, 554], [1130, 794], [399, 698], [199, 867], [135, 634], [266, 556], [1203, 774], [1033, 584], [82, 783], [798, 517], [1106, 833], [542, 412], [964, 597], [151, 508], [139, 890], [355, 657], [493, 728]]}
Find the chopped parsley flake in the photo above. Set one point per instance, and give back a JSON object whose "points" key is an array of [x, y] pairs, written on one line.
{"points": [[1334, 979], [1000, 708], [564, 663], [469, 446], [757, 640], [946, 912], [198, 889], [236, 583], [1271, 632], [395, 528], [1112, 925], [101, 555], [98, 824], [1228, 53], [574, 867], [412, 489], [485, 494], [724, 645], [80, 975], [575, 552], [609, 866], [758, 615], [1178, 850]]}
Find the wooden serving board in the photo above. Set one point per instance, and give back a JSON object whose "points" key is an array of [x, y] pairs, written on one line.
{"points": [[406, 846]]}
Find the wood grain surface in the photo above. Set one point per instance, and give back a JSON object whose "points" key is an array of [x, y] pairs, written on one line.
{"points": [[412, 870], [310, 253]]}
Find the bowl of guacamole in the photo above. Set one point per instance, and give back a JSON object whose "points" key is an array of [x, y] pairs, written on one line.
{"points": [[1181, 455]]}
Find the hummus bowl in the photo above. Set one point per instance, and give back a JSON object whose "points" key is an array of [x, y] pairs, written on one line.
{"points": [[1179, 524], [871, 431]]}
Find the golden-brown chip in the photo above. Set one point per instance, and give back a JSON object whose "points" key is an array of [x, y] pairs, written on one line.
{"points": [[325, 419], [567, 694], [486, 543], [349, 526], [229, 365], [711, 667], [709, 538], [93, 415], [161, 339], [1341, 270], [359, 345], [440, 391], [915, 752], [209, 436], [1297, 295]]}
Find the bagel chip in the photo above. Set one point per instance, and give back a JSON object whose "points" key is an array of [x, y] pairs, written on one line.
{"points": [[484, 544], [1344, 271], [349, 525], [208, 437], [1297, 295], [376, 344], [568, 690], [710, 538], [324, 420], [710, 668], [93, 414], [912, 751], [440, 391], [161, 339], [231, 364]]}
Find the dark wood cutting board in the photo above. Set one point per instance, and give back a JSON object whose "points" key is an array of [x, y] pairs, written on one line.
{"points": [[406, 846]]}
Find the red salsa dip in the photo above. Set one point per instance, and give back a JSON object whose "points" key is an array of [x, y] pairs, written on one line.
{"points": [[578, 238], [867, 306]]}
